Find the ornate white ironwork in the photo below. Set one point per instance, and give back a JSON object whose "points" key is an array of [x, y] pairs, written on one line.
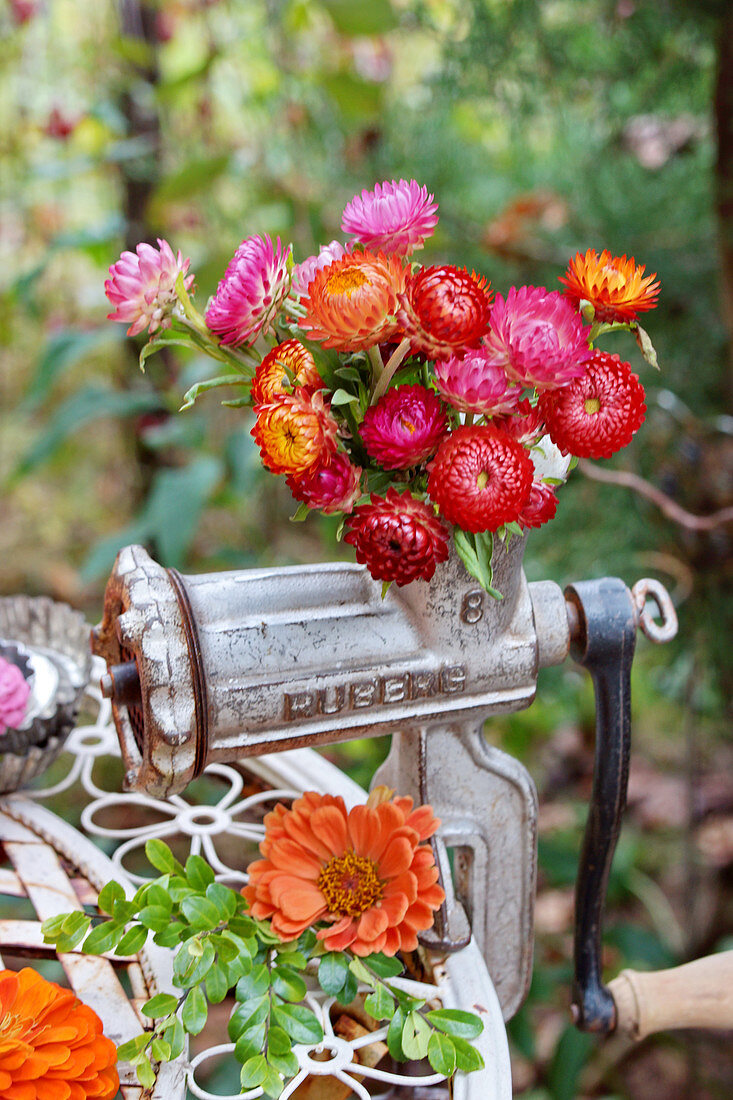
{"points": [[462, 978]]}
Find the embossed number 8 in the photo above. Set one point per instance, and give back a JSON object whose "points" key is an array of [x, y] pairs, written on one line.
{"points": [[472, 608]]}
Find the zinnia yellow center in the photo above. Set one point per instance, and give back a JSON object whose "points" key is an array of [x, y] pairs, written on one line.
{"points": [[592, 405], [346, 281], [350, 884]]}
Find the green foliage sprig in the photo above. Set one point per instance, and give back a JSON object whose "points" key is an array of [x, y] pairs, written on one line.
{"points": [[219, 946]]}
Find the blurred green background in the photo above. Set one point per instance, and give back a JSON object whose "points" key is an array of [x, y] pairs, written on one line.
{"points": [[542, 127]]}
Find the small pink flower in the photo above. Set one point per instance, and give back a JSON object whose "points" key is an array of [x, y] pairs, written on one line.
{"points": [[393, 218], [143, 287], [253, 288], [537, 337], [14, 692], [476, 384], [303, 274], [404, 428], [331, 488]]}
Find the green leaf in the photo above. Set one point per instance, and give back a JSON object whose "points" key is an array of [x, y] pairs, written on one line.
{"points": [[299, 1022], [126, 1052], [176, 500], [197, 175], [415, 1036], [394, 1035], [247, 1014], [103, 938], [145, 1073], [223, 898], [194, 1011], [108, 895], [341, 397], [201, 913], [468, 1058], [124, 910], [333, 970], [301, 513], [64, 349], [227, 946], [272, 1084], [217, 985], [203, 964], [292, 958], [199, 873], [278, 1042], [93, 402], [162, 858], [160, 1005], [154, 917], [132, 940], [253, 984], [376, 17], [169, 936], [72, 928], [160, 1050], [380, 1004], [646, 346], [250, 1042], [53, 926], [176, 1036], [348, 991], [441, 1054], [360, 972], [286, 1064], [454, 1021], [191, 394], [288, 984], [385, 966], [253, 1072]]}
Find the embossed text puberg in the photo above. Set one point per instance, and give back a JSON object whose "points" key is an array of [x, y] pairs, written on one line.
{"points": [[229, 665]]}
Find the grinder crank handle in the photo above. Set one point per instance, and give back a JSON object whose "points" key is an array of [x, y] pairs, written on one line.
{"points": [[698, 994], [604, 616]]}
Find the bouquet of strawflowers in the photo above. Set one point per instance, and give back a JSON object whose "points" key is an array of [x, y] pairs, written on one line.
{"points": [[406, 397], [336, 903]]}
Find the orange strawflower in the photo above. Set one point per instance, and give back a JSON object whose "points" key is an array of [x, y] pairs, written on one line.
{"points": [[51, 1045], [271, 380], [295, 433], [351, 303], [364, 871], [615, 286]]}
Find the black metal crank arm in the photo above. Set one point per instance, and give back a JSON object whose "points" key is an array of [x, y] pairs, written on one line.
{"points": [[603, 642]]}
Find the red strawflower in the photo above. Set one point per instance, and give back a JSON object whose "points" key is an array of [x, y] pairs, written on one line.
{"points": [[398, 538], [444, 310], [540, 507], [404, 428], [480, 478], [525, 423], [598, 414], [615, 286], [331, 488]]}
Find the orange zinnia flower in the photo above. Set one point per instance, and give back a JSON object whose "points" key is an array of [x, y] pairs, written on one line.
{"points": [[364, 871], [295, 433], [271, 380], [51, 1045], [352, 302], [616, 288]]}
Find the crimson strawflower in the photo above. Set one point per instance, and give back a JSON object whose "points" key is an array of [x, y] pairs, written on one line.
{"points": [[480, 478], [616, 288], [252, 291], [331, 488], [444, 310], [598, 414], [397, 537], [524, 423], [540, 507], [404, 428]]}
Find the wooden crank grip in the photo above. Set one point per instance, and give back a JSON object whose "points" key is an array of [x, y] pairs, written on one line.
{"points": [[698, 994]]}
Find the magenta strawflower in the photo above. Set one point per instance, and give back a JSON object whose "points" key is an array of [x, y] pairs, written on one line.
{"points": [[142, 287], [253, 288], [14, 693], [480, 478], [404, 428], [537, 337], [303, 274], [393, 218], [476, 384], [330, 488], [398, 538]]}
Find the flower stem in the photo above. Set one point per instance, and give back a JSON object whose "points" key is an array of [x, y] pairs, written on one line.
{"points": [[375, 358], [390, 369]]}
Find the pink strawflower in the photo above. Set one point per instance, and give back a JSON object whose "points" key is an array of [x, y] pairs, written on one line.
{"points": [[404, 428], [476, 384], [303, 274], [253, 288], [331, 488], [393, 218], [14, 693], [143, 287], [537, 337]]}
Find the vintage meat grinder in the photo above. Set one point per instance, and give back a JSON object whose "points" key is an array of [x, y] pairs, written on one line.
{"points": [[224, 666]]}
